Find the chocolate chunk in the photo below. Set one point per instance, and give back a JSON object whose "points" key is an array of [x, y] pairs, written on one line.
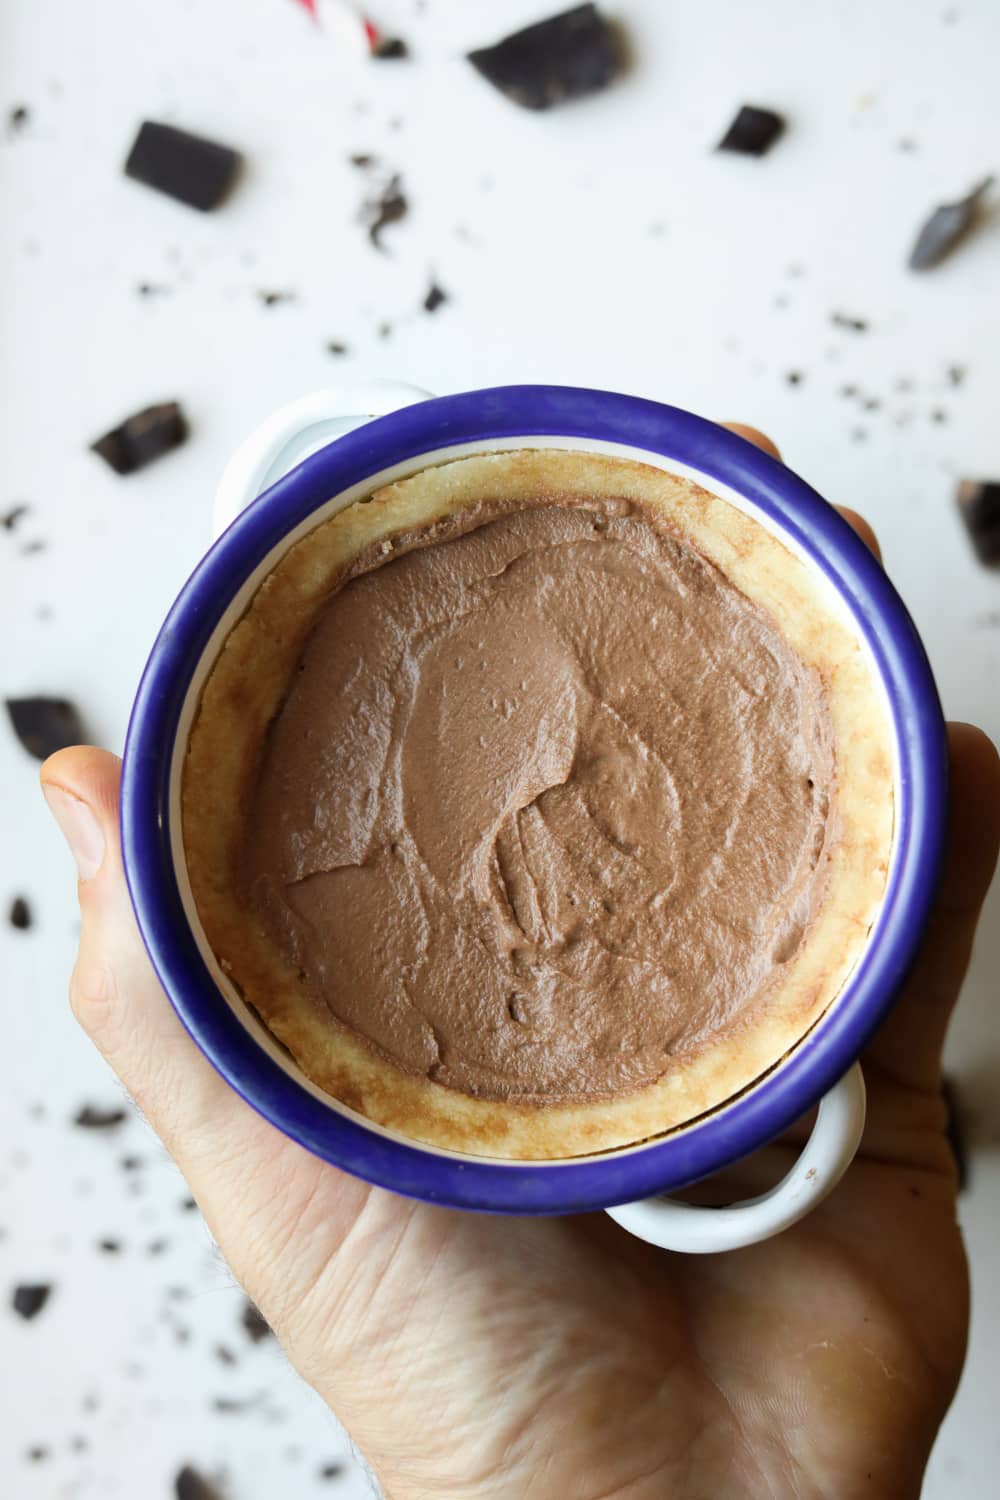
{"points": [[143, 437], [564, 57], [955, 1132], [332, 1471], [10, 518], [979, 504], [844, 320], [254, 1322], [436, 297], [752, 132], [29, 1299], [389, 48], [187, 167], [945, 227], [19, 915], [45, 725], [388, 208], [190, 1485], [90, 1117]]}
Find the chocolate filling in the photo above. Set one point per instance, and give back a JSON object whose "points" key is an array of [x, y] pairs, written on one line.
{"points": [[545, 806]]}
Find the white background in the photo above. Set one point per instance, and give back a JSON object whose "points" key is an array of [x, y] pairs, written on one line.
{"points": [[600, 244]]}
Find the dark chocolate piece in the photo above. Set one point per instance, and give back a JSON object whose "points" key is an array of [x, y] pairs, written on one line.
{"points": [[254, 1322], [388, 208], [979, 504], [190, 1485], [945, 227], [844, 320], [389, 48], [187, 167], [955, 1132], [19, 915], [564, 57], [29, 1299], [45, 725], [141, 438], [91, 1117], [752, 132], [436, 297], [10, 518]]}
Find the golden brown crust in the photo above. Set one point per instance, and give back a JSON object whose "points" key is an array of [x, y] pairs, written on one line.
{"points": [[245, 689]]}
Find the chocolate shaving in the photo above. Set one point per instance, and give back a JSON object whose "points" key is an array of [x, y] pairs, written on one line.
{"points": [[143, 437], [29, 1299], [19, 915], [90, 1117], [436, 297], [45, 725], [979, 506], [753, 131], [844, 320], [945, 227], [190, 1485], [11, 517], [187, 167], [388, 208], [565, 57], [255, 1324]]}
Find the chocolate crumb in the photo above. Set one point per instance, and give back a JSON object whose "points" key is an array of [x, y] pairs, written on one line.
{"points": [[753, 131], [335, 347], [848, 390], [363, 160], [151, 289], [956, 374], [188, 1205], [871, 403], [38, 1454], [78, 1444], [224, 1354], [939, 415], [91, 1117], [18, 119], [11, 517], [563, 57], [272, 299], [19, 915], [843, 320], [30, 549], [332, 1471], [145, 436], [390, 49], [157, 1247], [110, 1247], [190, 1485], [384, 330], [979, 506], [859, 434], [254, 1323], [435, 298], [29, 1298], [793, 377], [45, 725], [131, 1163]]}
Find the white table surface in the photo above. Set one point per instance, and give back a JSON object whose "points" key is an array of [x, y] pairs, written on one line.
{"points": [[600, 244]]}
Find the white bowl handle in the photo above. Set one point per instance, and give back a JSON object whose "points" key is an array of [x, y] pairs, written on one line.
{"points": [[297, 430], [827, 1155]]}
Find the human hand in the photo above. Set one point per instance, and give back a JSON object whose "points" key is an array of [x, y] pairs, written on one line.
{"points": [[561, 1359]]}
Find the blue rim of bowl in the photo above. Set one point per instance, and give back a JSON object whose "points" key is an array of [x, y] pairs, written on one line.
{"points": [[815, 1064]]}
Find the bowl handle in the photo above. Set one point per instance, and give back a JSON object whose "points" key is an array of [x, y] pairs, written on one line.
{"points": [[297, 430], [826, 1156]]}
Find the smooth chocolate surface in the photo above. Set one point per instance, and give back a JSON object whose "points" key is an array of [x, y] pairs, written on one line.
{"points": [[545, 806]]}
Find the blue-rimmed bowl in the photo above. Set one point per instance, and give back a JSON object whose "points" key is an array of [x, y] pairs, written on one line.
{"points": [[219, 591]]}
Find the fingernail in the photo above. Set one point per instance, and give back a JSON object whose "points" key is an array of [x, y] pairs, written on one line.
{"points": [[80, 828]]}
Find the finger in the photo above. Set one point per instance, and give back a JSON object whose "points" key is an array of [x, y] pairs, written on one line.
{"points": [[907, 1049], [114, 992], [753, 435], [861, 526]]}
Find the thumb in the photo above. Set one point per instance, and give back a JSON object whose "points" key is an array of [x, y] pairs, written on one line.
{"points": [[114, 992]]}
